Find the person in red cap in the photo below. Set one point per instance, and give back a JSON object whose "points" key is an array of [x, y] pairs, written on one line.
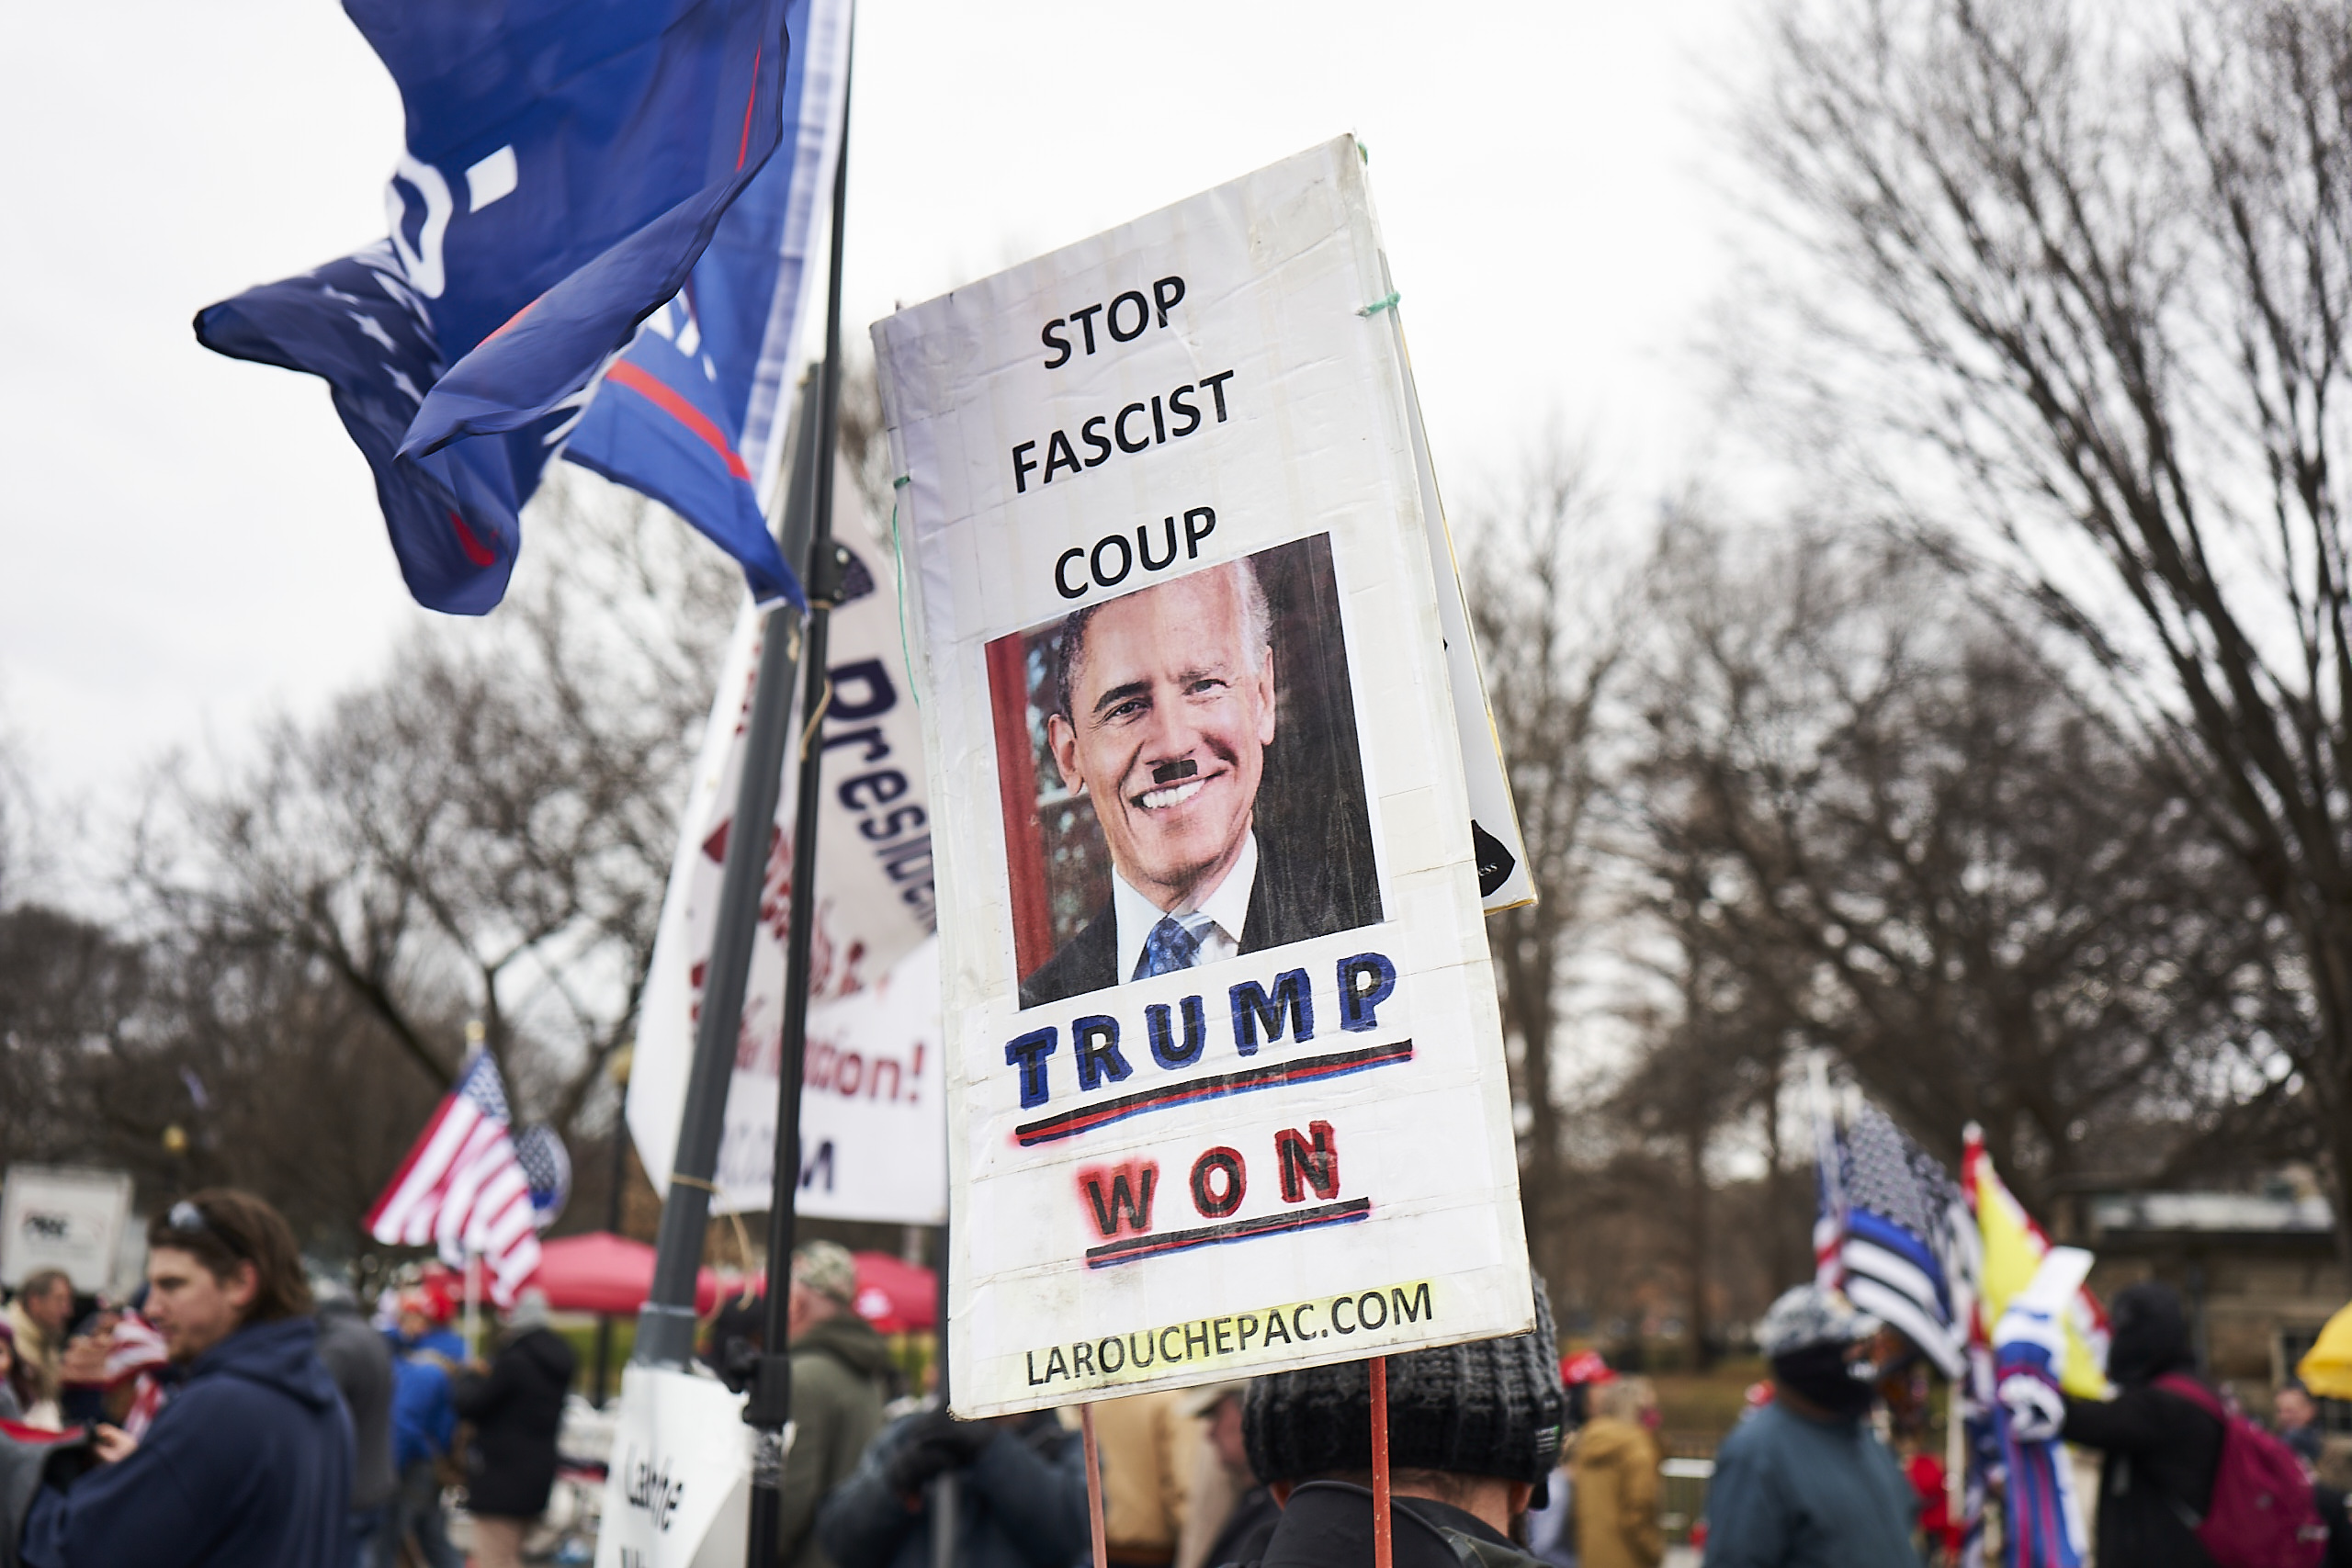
{"points": [[427, 1354]]}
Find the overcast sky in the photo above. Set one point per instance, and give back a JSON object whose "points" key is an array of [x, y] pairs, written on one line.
{"points": [[189, 543]]}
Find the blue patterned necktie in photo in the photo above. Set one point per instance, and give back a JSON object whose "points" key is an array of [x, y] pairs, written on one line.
{"points": [[1174, 943]]}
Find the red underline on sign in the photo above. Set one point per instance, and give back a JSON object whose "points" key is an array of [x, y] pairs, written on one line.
{"points": [[1304, 1069], [1134, 1247]]}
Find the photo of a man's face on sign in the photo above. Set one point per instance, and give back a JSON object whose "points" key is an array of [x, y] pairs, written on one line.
{"points": [[1180, 774]]}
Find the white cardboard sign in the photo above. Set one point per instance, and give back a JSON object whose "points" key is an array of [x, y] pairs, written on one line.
{"points": [[677, 1492], [63, 1217], [873, 1108], [874, 905], [1226, 1091]]}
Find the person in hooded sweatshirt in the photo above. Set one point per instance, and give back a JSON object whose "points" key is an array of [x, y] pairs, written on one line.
{"points": [[251, 1461], [360, 1361], [517, 1411], [1473, 1431], [2159, 1449], [839, 1369]]}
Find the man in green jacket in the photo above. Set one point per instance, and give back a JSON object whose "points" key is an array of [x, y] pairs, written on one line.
{"points": [[839, 1368]]}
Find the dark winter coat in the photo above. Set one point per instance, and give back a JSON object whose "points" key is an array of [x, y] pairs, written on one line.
{"points": [[1297, 895], [516, 1411], [1793, 1492], [1021, 1504], [838, 1370], [2160, 1451], [1327, 1524], [360, 1361], [249, 1464]]}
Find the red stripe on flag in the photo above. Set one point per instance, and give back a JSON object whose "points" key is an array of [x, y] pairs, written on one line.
{"points": [[399, 1177], [476, 551], [744, 148], [509, 324], [652, 391]]}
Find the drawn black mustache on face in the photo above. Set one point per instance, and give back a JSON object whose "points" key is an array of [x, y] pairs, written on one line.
{"points": [[1172, 773]]}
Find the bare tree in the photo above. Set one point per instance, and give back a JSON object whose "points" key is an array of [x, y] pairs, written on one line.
{"points": [[1542, 582], [488, 829], [1873, 823], [2095, 262]]}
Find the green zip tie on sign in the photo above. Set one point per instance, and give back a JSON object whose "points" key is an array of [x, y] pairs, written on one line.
{"points": [[1383, 304]]}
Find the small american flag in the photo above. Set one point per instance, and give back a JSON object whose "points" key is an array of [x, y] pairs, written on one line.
{"points": [[462, 1189]]}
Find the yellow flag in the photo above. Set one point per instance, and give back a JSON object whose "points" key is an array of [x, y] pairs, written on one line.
{"points": [[2014, 1247], [2327, 1367]]}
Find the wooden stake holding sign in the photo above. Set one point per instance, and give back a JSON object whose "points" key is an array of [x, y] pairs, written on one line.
{"points": [[1096, 1530], [1383, 1546]]}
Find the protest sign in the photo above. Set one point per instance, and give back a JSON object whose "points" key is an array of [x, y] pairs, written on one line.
{"points": [[873, 1108], [63, 1217], [678, 1482], [1226, 1091], [874, 892]]}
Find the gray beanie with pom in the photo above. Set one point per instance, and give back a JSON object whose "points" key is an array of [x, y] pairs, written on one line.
{"points": [[1489, 1407]]}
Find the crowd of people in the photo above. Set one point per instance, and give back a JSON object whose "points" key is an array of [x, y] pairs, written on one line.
{"points": [[232, 1412], [237, 1412]]}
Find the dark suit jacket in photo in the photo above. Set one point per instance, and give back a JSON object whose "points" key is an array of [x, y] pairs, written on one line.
{"points": [[1297, 897]]}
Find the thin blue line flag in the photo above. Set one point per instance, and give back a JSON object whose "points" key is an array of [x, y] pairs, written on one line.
{"points": [[567, 162]]}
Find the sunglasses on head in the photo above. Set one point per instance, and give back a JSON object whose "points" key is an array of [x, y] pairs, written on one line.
{"points": [[186, 1218]]}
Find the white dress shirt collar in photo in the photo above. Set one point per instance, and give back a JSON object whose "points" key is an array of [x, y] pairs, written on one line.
{"points": [[1228, 908]]}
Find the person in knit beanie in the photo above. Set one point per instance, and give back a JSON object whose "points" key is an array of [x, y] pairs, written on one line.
{"points": [[1474, 1433]]}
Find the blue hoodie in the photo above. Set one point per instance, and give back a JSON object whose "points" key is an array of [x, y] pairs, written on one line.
{"points": [[249, 1464], [424, 1418]]}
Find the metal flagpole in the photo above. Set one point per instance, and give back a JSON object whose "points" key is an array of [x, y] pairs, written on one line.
{"points": [[620, 1074], [665, 1326], [473, 1304], [770, 1407]]}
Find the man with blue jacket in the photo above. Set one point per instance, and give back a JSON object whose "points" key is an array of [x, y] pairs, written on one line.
{"points": [[251, 1461]]}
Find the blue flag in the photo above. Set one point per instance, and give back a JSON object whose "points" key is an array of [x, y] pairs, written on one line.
{"points": [[694, 413], [566, 163]]}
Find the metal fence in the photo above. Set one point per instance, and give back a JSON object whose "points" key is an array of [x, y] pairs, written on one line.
{"points": [[1684, 1494]]}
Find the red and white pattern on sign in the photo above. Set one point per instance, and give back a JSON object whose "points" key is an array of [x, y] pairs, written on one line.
{"points": [[462, 1189]]}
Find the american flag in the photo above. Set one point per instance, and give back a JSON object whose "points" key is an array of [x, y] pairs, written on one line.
{"points": [[137, 1354], [1910, 1244], [462, 1189]]}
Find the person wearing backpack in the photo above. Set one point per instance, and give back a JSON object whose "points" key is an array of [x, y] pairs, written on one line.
{"points": [[2183, 1483]]}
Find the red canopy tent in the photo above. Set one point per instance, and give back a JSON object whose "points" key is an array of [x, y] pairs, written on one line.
{"points": [[894, 1296], [601, 1273]]}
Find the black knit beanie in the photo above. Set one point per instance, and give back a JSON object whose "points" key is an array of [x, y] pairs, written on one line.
{"points": [[1489, 1407]]}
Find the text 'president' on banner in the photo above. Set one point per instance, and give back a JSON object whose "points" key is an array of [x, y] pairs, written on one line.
{"points": [[1225, 1080]]}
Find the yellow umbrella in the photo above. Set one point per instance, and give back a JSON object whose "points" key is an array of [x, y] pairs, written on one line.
{"points": [[2327, 1367]]}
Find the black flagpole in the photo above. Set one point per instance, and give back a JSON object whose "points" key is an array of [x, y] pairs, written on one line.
{"points": [[769, 1405], [665, 1325]]}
